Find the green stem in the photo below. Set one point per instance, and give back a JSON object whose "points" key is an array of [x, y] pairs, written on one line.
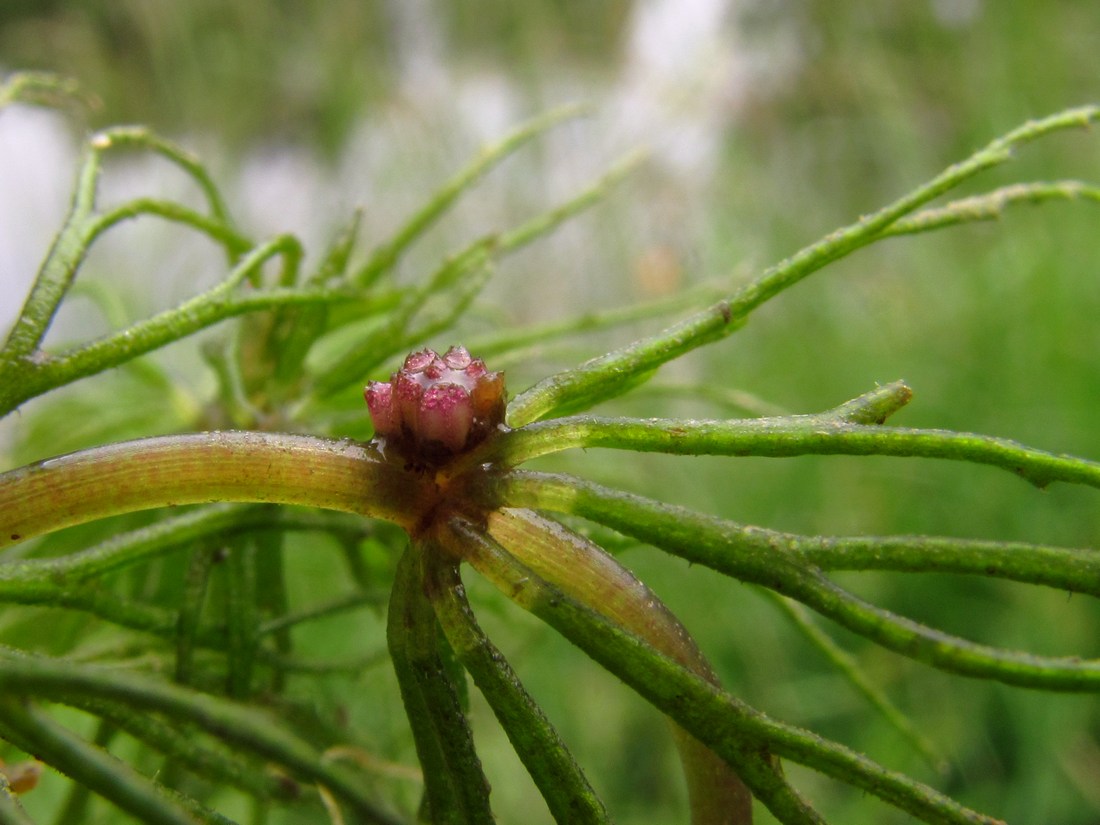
{"points": [[523, 585], [236, 724], [851, 670], [295, 329], [386, 256], [109, 607], [200, 756], [992, 205], [125, 549], [1062, 568], [188, 317], [515, 345], [33, 376], [352, 601], [609, 375], [11, 811], [44, 88], [203, 467], [90, 766], [57, 582], [167, 625], [453, 286], [557, 776], [731, 728], [549, 220], [141, 137], [75, 806], [785, 437], [746, 554], [182, 629], [360, 357], [215, 228], [680, 436], [270, 585], [1075, 570], [81, 228], [241, 617], [455, 787], [192, 598], [585, 572], [436, 316], [56, 274]]}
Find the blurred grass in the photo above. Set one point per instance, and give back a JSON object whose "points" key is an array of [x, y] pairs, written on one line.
{"points": [[844, 107]]}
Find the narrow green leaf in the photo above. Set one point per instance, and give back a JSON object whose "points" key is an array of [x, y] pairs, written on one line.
{"points": [[387, 255], [826, 434], [992, 205], [617, 371], [557, 776], [584, 572], [749, 554], [455, 787], [733, 729], [852, 672], [108, 776], [243, 727]]}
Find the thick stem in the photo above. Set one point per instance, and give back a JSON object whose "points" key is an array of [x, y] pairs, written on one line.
{"points": [[204, 467]]}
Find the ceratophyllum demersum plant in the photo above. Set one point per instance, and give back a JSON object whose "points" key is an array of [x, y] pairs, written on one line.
{"points": [[153, 660]]}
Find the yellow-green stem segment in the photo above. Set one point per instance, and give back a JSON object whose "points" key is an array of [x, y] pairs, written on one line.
{"points": [[204, 467]]}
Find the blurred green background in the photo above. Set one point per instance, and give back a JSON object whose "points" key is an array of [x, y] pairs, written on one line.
{"points": [[770, 123]]}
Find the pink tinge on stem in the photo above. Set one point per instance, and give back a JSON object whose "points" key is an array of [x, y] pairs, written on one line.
{"points": [[437, 405]]}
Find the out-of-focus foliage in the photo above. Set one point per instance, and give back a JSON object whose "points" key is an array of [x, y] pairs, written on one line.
{"points": [[303, 71]]}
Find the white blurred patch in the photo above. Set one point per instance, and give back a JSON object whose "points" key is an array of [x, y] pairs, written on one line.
{"points": [[957, 14], [37, 169]]}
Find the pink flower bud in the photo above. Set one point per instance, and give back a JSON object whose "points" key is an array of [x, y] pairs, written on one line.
{"points": [[437, 405], [383, 411], [446, 415]]}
